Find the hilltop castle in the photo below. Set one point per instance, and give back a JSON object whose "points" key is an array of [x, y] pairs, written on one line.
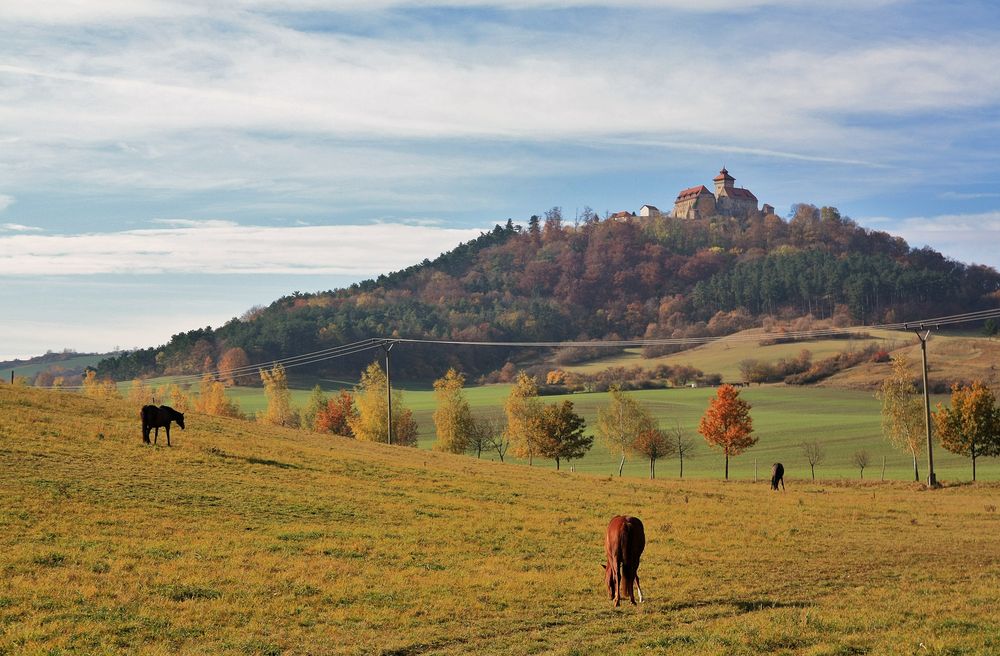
{"points": [[700, 203], [728, 200]]}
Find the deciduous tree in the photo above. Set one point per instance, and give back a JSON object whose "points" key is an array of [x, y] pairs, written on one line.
{"points": [[727, 424], [653, 444], [621, 422], [861, 461], [971, 426], [452, 416], [314, 405], [140, 394], [370, 421], [814, 453], [564, 438], [212, 399], [524, 418], [902, 412], [681, 445], [234, 367], [279, 400], [336, 416]]}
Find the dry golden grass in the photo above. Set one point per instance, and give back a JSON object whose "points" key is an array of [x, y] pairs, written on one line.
{"points": [[248, 539]]}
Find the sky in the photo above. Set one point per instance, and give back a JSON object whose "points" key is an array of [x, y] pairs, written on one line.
{"points": [[168, 164]]}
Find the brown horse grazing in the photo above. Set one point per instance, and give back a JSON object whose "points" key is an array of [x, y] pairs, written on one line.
{"points": [[623, 544], [159, 417], [777, 476]]}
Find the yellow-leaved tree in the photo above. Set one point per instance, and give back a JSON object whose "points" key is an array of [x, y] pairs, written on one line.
{"points": [[903, 412], [101, 389], [212, 399], [453, 421], [524, 418], [174, 396], [279, 410], [621, 422], [370, 421], [140, 394]]}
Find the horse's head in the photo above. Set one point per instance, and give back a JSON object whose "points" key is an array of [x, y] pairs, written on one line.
{"points": [[611, 580], [180, 419]]}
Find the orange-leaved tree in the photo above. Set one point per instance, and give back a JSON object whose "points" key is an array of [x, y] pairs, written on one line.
{"points": [[727, 423], [234, 367], [336, 416], [971, 426]]}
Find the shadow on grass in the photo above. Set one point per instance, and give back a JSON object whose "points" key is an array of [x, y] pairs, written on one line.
{"points": [[219, 453], [751, 605]]}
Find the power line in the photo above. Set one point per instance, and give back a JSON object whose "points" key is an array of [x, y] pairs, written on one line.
{"points": [[795, 335]]}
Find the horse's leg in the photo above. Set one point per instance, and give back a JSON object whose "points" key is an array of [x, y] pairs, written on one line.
{"points": [[145, 434], [782, 484], [618, 584], [156, 434], [638, 587], [168, 433]]}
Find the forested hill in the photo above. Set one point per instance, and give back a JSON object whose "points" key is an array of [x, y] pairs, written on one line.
{"points": [[654, 277]]}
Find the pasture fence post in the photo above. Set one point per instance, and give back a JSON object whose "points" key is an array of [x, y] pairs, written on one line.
{"points": [[883, 468], [11, 376], [754, 470]]}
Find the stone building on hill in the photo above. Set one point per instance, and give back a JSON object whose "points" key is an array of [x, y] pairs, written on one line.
{"points": [[728, 200]]}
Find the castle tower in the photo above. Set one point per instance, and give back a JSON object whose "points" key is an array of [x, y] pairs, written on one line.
{"points": [[723, 181]]}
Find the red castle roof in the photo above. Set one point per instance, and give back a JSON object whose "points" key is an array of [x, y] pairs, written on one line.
{"points": [[692, 192], [740, 192], [723, 175]]}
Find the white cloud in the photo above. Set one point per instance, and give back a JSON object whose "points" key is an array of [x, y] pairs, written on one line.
{"points": [[965, 237], [88, 11], [17, 227], [5, 201], [217, 247]]}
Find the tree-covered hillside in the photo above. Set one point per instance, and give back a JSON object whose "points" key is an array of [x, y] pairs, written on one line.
{"points": [[656, 277]]}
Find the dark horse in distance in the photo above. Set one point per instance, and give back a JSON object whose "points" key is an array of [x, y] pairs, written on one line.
{"points": [[623, 544], [159, 417], [777, 476]]}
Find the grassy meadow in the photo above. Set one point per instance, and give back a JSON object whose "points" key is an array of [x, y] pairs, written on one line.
{"points": [[245, 539], [842, 420]]}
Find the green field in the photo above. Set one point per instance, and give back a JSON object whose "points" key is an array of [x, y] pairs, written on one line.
{"points": [[246, 539], [843, 421], [75, 363]]}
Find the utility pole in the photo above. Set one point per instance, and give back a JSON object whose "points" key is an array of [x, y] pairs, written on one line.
{"points": [[931, 478], [387, 346]]}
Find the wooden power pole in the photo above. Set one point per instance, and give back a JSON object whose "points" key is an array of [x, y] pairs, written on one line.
{"points": [[931, 477], [387, 347]]}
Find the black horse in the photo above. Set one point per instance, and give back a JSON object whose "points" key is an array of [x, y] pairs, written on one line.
{"points": [[777, 475], [159, 417]]}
